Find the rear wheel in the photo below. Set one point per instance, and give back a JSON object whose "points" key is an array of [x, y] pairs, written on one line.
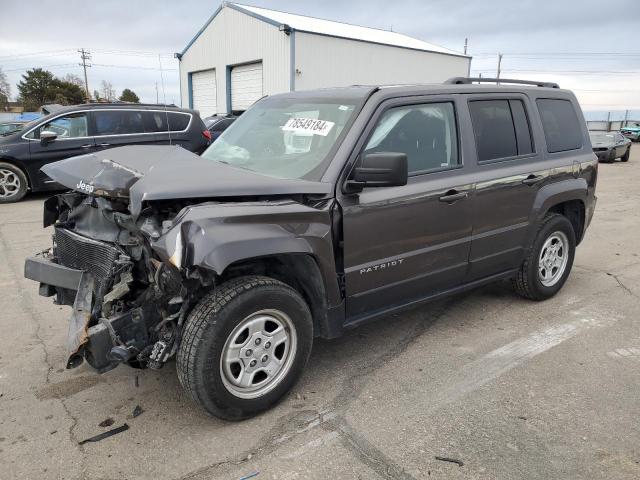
{"points": [[13, 183], [627, 154], [549, 262], [244, 346]]}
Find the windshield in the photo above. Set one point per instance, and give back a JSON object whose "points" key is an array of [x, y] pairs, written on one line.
{"points": [[601, 137], [284, 137], [19, 127]]}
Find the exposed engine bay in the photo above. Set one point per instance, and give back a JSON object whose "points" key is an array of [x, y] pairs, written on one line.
{"points": [[130, 304]]}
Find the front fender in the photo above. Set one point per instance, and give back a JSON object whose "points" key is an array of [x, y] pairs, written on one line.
{"points": [[216, 235]]}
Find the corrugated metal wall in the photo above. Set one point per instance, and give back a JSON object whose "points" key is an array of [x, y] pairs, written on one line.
{"points": [[328, 61], [234, 38]]}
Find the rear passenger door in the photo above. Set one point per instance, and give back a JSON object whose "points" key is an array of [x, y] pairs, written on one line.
{"points": [[510, 171], [403, 244]]}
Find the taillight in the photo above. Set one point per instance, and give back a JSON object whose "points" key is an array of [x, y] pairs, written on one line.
{"points": [[206, 134]]}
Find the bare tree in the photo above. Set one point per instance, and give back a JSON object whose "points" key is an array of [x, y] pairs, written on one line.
{"points": [[5, 90], [73, 78], [107, 91]]}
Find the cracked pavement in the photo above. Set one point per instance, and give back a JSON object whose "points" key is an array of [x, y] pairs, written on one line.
{"points": [[508, 387]]}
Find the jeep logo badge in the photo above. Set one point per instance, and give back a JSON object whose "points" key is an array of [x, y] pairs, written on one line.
{"points": [[84, 187]]}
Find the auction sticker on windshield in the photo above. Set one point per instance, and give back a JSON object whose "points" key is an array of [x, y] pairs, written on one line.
{"points": [[308, 125]]}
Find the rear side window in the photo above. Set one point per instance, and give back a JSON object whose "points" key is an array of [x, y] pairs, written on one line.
{"points": [[560, 123], [157, 121], [118, 122], [501, 129]]}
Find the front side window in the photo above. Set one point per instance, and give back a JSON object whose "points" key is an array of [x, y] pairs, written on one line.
{"points": [[118, 122], [426, 133], [68, 126], [284, 137], [560, 124]]}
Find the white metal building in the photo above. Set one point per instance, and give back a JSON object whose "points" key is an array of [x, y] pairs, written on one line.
{"points": [[244, 52]]}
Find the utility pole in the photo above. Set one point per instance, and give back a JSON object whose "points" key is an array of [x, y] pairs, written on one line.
{"points": [[157, 99], [466, 42], [499, 64], [84, 56], [626, 118]]}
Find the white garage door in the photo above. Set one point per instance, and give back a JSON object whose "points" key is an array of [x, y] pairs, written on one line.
{"points": [[246, 85], [203, 88]]}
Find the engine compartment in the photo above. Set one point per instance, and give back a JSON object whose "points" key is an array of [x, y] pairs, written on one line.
{"points": [[130, 304]]}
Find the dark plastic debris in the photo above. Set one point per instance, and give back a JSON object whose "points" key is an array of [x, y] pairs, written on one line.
{"points": [[137, 411], [106, 434], [107, 422], [451, 460]]}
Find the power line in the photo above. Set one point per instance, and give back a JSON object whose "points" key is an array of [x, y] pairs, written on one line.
{"points": [[84, 56]]}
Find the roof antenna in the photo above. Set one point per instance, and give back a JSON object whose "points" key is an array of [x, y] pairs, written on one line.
{"points": [[164, 98]]}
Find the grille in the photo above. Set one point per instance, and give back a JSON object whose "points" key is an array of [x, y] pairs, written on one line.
{"points": [[75, 251]]}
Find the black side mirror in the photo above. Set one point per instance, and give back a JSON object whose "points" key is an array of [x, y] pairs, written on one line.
{"points": [[47, 136], [380, 169]]}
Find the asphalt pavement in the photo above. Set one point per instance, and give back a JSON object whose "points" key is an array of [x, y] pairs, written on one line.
{"points": [[483, 385]]}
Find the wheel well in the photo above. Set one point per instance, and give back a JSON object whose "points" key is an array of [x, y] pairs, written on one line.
{"points": [[22, 169], [299, 271], [574, 211]]}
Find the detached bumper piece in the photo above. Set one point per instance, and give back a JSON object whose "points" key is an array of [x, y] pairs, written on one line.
{"points": [[103, 343]]}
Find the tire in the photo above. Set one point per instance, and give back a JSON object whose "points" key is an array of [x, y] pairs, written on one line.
{"points": [[226, 322], [528, 282], [13, 183], [627, 154]]}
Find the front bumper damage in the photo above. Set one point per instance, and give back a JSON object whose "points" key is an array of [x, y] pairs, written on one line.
{"points": [[104, 345]]}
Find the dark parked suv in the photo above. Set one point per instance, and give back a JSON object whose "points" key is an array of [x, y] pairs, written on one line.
{"points": [[313, 213], [88, 128]]}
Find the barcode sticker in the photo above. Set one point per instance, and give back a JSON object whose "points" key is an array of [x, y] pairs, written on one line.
{"points": [[308, 125]]}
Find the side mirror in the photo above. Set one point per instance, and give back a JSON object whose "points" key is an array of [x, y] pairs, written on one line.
{"points": [[47, 136], [380, 169]]}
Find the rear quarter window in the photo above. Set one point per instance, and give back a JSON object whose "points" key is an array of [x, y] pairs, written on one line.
{"points": [[560, 124], [157, 121]]}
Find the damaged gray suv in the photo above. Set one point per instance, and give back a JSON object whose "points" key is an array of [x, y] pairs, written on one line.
{"points": [[313, 213]]}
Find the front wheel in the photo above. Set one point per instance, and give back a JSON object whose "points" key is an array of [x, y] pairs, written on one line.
{"points": [[549, 262], [244, 346], [13, 183], [627, 154]]}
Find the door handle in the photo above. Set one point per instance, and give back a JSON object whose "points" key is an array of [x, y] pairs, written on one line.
{"points": [[453, 196], [532, 179], [87, 146]]}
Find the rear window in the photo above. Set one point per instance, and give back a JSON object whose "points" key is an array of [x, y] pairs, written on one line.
{"points": [[157, 121], [560, 123], [501, 129]]}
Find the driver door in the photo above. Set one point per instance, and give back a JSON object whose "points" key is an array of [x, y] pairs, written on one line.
{"points": [[403, 244], [73, 139]]}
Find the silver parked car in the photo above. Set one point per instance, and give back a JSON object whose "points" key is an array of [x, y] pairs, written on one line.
{"points": [[610, 145]]}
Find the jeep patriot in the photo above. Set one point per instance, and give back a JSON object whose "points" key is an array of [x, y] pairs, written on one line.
{"points": [[313, 213]]}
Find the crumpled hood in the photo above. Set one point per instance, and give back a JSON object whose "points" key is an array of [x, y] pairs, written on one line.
{"points": [[142, 173]]}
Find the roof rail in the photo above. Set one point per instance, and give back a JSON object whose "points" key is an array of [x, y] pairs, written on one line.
{"points": [[470, 80]]}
